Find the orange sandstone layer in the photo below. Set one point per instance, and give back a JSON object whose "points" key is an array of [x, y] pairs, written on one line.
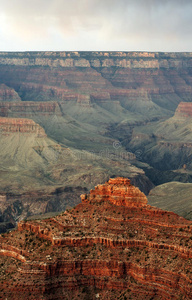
{"points": [[118, 191], [112, 245]]}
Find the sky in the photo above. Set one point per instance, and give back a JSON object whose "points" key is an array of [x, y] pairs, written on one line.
{"points": [[96, 25]]}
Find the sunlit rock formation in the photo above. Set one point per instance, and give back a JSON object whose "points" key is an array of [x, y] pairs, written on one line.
{"points": [[112, 245]]}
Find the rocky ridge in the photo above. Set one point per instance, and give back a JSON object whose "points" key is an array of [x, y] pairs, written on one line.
{"points": [[96, 59], [8, 94], [110, 246]]}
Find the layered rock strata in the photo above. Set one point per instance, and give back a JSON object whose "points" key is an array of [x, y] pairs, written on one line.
{"points": [[27, 109], [97, 59], [118, 191], [125, 76], [111, 246], [12, 125], [184, 109]]}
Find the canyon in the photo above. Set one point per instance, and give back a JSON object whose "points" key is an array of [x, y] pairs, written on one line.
{"points": [[112, 245], [91, 116], [168, 142], [160, 80], [40, 176]]}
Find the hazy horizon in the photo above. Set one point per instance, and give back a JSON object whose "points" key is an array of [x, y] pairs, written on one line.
{"points": [[95, 25], [91, 51]]}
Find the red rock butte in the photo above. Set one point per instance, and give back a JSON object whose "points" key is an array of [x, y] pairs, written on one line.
{"points": [[118, 191], [112, 245]]}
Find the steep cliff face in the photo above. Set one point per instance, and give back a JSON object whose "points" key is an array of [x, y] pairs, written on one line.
{"points": [[102, 249], [160, 79], [97, 59], [10, 125], [184, 109], [29, 109]]}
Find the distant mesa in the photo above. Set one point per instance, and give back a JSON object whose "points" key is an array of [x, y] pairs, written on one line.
{"points": [[14, 125], [28, 108]]}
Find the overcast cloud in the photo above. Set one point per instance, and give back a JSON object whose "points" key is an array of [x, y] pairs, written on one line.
{"points": [[150, 25]]}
